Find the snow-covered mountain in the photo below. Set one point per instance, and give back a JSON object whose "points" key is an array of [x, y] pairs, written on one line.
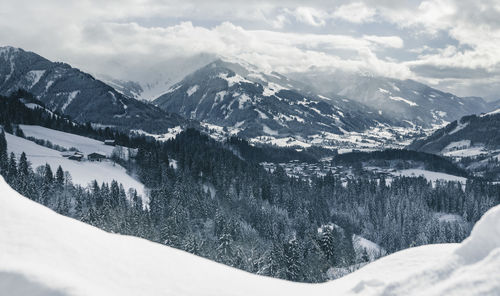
{"points": [[476, 138], [44, 253], [77, 94], [472, 133], [401, 100], [159, 77], [255, 104]]}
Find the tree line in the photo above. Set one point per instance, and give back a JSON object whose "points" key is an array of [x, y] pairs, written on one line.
{"points": [[215, 204]]}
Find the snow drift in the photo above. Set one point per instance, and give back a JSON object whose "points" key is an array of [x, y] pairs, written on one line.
{"points": [[44, 253]]}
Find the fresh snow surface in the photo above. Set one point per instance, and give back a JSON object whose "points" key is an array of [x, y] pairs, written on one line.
{"points": [[172, 133], [430, 175], [384, 91], [403, 100], [324, 98], [71, 96], [34, 76], [458, 145], [82, 173], [459, 127], [235, 79], [272, 88], [269, 131], [447, 217], [497, 111], [67, 140], [289, 142], [192, 90], [466, 152], [372, 249], [44, 253], [261, 114], [242, 100]]}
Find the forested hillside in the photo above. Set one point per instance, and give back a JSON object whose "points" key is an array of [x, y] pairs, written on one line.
{"points": [[209, 201]]}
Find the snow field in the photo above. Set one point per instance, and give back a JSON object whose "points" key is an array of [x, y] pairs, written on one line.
{"points": [[51, 254], [82, 173]]}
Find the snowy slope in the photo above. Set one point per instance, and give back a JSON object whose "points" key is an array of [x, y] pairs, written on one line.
{"points": [[67, 140], [400, 100], [43, 253], [236, 96], [430, 175], [77, 94], [82, 173]]}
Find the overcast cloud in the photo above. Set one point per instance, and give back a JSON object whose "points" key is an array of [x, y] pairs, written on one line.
{"points": [[452, 45]]}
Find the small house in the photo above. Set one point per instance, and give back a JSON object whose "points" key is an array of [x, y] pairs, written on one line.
{"points": [[73, 155], [76, 156], [96, 156], [109, 142], [67, 153]]}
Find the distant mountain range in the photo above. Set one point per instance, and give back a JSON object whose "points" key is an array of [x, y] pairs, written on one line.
{"points": [[481, 132], [255, 103], [159, 77], [400, 100], [77, 94], [238, 97], [473, 141]]}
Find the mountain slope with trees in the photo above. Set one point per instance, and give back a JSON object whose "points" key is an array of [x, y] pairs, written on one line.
{"points": [[219, 206], [72, 92]]}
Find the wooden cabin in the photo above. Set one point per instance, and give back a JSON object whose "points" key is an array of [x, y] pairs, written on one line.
{"points": [[96, 156], [109, 142]]}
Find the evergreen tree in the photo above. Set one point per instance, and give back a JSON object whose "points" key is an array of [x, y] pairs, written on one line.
{"points": [[23, 165], [19, 132], [4, 162], [328, 243], [7, 126], [48, 175], [225, 248], [59, 176], [292, 260], [12, 170]]}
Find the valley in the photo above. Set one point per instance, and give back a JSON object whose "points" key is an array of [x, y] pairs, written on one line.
{"points": [[274, 176]]}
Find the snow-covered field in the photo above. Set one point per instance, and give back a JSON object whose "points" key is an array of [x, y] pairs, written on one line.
{"points": [[67, 140], [430, 175], [471, 151], [83, 172], [172, 133], [44, 253]]}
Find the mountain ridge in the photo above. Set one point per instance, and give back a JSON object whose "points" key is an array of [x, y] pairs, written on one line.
{"points": [[256, 103], [77, 94]]}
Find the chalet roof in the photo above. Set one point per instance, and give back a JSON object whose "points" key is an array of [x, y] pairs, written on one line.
{"points": [[97, 154]]}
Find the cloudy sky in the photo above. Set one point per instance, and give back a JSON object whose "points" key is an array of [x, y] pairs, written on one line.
{"points": [[453, 45]]}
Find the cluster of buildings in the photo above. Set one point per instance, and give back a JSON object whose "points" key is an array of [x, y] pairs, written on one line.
{"points": [[94, 156]]}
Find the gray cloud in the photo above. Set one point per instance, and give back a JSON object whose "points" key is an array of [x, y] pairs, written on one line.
{"points": [[147, 39]]}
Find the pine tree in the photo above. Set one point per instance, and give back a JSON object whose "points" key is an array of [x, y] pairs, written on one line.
{"points": [[328, 243], [7, 126], [225, 248], [275, 262], [59, 176], [48, 176], [12, 170], [292, 260], [4, 161], [19, 132], [23, 165], [114, 194]]}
